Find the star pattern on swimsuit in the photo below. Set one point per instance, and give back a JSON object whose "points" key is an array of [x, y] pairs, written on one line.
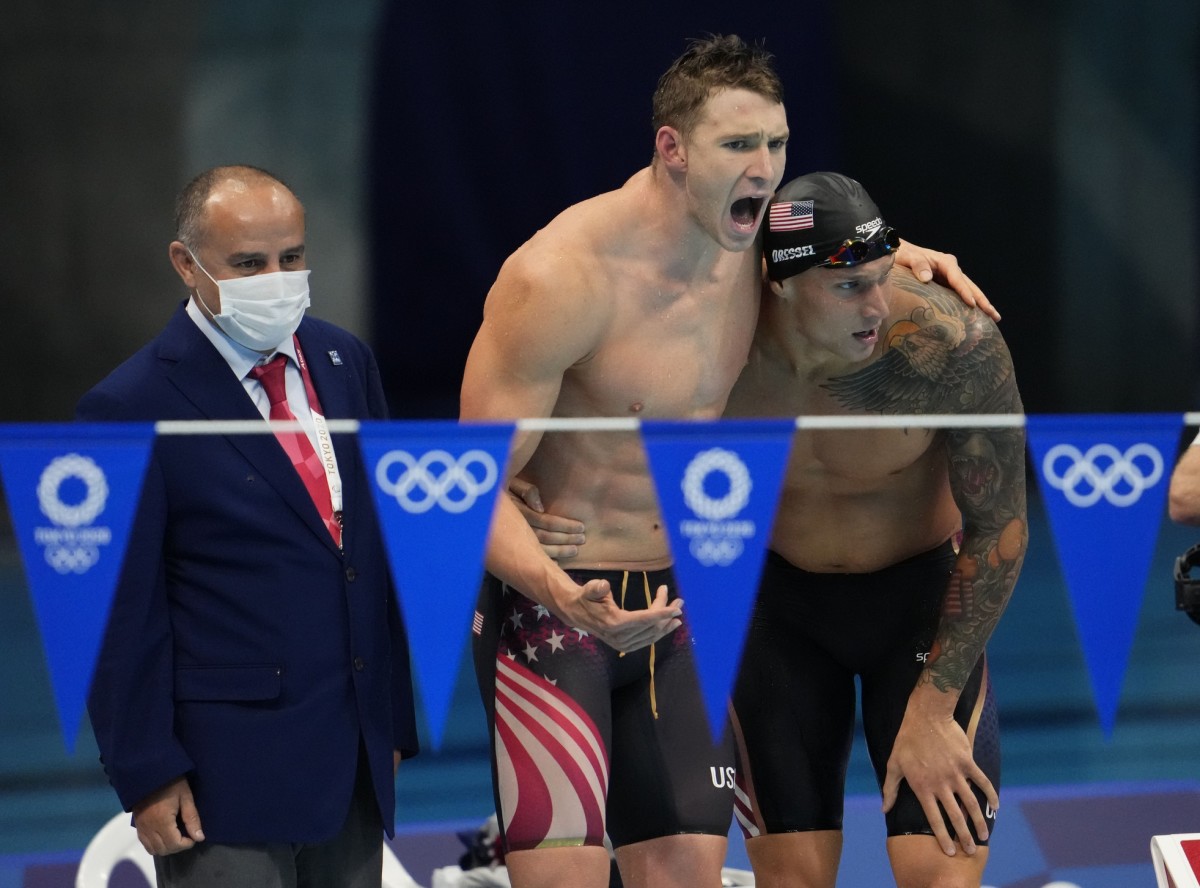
{"points": [[529, 629], [516, 639]]}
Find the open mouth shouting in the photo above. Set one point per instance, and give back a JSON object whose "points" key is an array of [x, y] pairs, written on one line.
{"points": [[745, 212]]}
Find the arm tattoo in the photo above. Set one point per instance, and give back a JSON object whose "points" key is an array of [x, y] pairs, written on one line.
{"points": [[945, 358]]}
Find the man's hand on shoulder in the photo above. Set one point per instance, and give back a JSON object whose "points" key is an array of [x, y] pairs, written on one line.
{"points": [[167, 820], [931, 265]]}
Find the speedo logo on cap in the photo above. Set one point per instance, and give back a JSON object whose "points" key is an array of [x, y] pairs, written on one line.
{"points": [[868, 229]]}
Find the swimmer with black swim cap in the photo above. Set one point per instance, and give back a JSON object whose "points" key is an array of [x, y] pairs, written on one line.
{"points": [[863, 582], [827, 220]]}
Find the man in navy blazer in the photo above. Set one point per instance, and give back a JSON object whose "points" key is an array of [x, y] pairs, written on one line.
{"points": [[252, 697]]}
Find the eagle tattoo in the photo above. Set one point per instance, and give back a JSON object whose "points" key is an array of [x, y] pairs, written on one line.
{"points": [[942, 358]]}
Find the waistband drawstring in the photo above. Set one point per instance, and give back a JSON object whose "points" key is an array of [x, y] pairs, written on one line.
{"points": [[649, 601]]}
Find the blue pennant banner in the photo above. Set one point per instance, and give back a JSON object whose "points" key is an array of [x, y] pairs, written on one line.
{"points": [[1103, 479], [435, 486], [718, 487], [72, 492]]}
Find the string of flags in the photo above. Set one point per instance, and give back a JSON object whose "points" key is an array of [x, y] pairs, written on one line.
{"points": [[73, 489]]}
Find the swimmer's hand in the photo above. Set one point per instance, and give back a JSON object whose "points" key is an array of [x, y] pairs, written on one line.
{"points": [[929, 265], [591, 607], [560, 537], [594, 611], [933, 754]]}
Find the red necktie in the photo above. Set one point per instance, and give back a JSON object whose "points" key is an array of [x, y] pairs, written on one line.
{"points": [[296, 444]]}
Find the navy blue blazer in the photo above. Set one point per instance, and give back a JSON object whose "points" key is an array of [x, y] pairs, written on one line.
{"points": [[243, 649]]}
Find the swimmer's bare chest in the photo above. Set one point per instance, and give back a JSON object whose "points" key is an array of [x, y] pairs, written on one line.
{"points": [[674, 356], [669, 349], [860, 501], [853, 500]]}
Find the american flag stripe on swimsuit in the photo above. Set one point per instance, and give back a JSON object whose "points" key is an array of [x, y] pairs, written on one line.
{"points": [[743, 812], [551, 764]]}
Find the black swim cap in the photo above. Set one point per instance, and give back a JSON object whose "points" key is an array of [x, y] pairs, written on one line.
{"points": [[812, 217]]}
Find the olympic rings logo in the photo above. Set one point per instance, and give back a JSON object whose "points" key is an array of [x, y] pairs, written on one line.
{"points": [[711, 551], [437, 478], [704, 464], [1122, 469], [50, 486], [72, 559]]}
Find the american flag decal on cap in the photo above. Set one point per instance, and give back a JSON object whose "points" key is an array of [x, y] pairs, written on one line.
{"points": [[791, 216]]}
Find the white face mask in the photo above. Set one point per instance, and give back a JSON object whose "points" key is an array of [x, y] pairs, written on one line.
{"points": [[262, 310]]}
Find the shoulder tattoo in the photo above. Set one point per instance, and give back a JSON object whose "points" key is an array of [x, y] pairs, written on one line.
{"points": [[944, 357]]}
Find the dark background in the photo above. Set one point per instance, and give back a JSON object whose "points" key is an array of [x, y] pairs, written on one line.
{"points": [[1052, 146]]}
